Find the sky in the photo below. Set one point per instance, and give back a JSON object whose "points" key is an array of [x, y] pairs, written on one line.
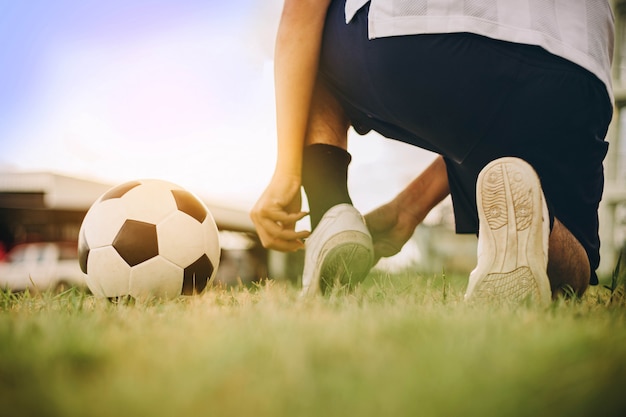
{"points": [[180, 90]]}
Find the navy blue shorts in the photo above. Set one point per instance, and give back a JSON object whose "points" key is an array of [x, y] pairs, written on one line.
{"points": [[473, 99]]}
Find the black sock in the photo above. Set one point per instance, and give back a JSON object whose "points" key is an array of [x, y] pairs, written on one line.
{"points": [[325, 178]]}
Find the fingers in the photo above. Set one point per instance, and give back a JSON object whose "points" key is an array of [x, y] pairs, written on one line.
{"points": [[275, 236], [278, 216], [285, 245], [276, 213], [276, 229]]}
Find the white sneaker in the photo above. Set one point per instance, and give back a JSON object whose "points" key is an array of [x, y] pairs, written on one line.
{"points": [[513, 235], [339, 251]]}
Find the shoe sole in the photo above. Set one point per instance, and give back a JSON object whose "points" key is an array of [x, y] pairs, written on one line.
{"points": [[510, 211], [345, 260]]}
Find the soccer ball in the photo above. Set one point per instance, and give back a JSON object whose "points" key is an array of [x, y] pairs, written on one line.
{"points": [[148, 238]]}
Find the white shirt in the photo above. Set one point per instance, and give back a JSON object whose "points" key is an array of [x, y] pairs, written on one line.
{"points": [[580, 31]]}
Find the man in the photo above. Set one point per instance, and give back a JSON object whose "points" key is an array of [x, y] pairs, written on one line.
{"points": [[515, 97]]}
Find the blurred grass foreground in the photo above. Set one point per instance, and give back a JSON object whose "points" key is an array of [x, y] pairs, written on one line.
{"points": [[398, 345]]}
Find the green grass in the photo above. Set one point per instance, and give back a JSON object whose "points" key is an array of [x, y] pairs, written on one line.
{"points": [[401, 345]]}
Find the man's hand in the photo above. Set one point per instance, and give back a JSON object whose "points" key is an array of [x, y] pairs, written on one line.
{"points": [[276, 212], [391, 228], [393, 224]]}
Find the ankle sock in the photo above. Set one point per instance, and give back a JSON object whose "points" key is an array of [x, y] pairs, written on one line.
{"points": [[325, 178]]}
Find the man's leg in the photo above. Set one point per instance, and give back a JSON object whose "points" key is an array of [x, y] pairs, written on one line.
{"points": [[339, 249], [519, 256], [392, 224], [568, 265], [513, 235], [325, 157], [328, 123]]}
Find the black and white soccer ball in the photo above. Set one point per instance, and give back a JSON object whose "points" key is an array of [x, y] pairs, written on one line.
{"points": [[148, 239]]}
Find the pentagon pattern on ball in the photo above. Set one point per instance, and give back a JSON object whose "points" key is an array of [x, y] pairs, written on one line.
{"points": [[136, 242], [189, 204], [148, 238], [197, 275]]}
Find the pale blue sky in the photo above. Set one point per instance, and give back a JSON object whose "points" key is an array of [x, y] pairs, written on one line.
{"points": [[175, 89], [31, 32]]}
